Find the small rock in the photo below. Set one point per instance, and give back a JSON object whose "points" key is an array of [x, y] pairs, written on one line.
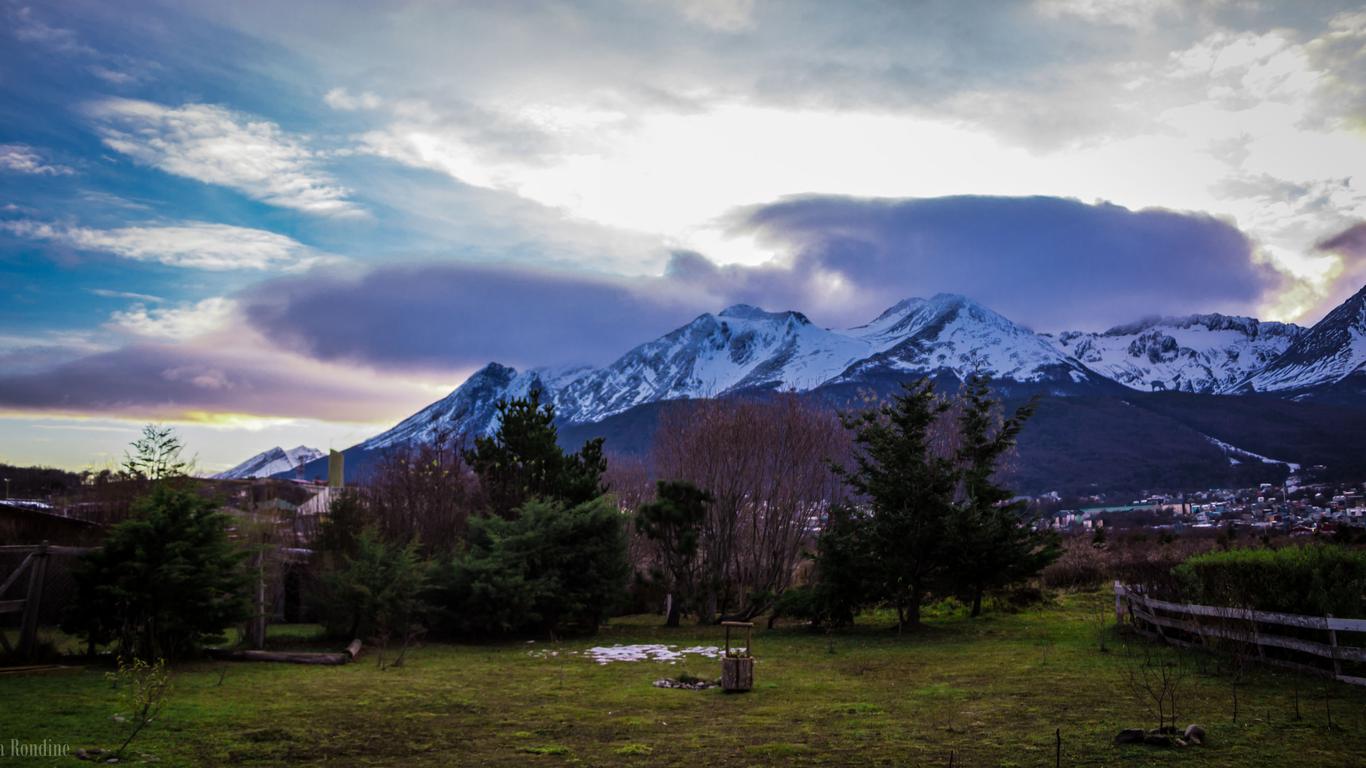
{"points": [[1195, 734], [1130, 736]]}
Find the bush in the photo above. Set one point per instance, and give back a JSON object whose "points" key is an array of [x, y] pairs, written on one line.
{"points": [[1315, 580], [548, 569], [1081, 566], [374, 592], [165, 582]]}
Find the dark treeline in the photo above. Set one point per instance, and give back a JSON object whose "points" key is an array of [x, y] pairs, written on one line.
{"points": [[744, 507]]}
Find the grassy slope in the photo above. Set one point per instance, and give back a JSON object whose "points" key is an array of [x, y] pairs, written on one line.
{"points": [[992, 690]]}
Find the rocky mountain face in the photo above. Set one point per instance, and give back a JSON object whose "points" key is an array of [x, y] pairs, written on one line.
{"points": [[1163, 402], [743, 348], [1211, 354], [1327, 354]]}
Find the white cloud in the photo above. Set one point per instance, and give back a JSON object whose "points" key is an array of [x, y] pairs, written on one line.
{"points": [[21, 158], [30, 29], [191, 244], [720, 15], [215, 145], [180, 322], [344, 100], [110, 294]]}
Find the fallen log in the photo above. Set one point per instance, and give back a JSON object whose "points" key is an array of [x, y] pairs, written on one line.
{"points": [[290, 657]]}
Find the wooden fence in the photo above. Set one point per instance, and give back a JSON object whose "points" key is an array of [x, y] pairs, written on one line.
{"points": [[1281, 639], [35, 565]]}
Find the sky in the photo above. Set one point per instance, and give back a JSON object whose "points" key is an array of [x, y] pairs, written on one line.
{"points": [[296, 223]]}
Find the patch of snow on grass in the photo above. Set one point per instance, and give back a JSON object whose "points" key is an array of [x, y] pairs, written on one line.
{"points": [[650, 652]]}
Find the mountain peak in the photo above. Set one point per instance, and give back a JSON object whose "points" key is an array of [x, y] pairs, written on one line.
{"points": [[751, 312], [272, 461]]}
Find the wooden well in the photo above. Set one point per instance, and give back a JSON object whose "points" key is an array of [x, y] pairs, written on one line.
{"points": [[737, 671]]}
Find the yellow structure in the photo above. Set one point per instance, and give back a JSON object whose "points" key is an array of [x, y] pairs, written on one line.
{"points": [[336, 470]]}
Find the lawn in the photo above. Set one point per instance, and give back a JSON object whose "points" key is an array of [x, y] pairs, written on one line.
{"points": [[990, 690]]}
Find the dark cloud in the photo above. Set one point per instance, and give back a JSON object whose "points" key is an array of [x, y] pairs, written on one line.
{"points": [[1349, 246], [174, 381], [1048, 262], [446, 316]]}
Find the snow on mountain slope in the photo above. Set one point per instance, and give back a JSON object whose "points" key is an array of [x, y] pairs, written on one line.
{"points": [[952, 333], [1327, 353], [472, 408], [271, 462], [746, 348], [741, 347], [1200, 353]]}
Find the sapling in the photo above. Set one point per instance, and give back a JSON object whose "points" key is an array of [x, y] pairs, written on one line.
{"points": [[143, 688]]}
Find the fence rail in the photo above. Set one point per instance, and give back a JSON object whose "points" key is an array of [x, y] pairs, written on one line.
{"points": [[1200, 625], [35, 565]]}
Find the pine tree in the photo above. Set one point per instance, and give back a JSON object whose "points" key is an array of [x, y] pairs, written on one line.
{"points": [[910, 490], [156, 455], [674, 521], [524, 461], [991, 541], [165, 581]]}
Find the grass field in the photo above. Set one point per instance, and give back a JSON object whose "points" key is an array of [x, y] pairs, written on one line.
{"points": [[991, 690]]}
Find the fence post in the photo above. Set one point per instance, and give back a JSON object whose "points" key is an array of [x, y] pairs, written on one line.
{"points": [[1119, 604], [28, 632], [1333, 642]]}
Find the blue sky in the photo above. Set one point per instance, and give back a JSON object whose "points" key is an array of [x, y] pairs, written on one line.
{"points": [[297, 223]]}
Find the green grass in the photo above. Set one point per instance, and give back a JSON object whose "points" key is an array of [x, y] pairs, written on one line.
{"points": [[991, 690]]}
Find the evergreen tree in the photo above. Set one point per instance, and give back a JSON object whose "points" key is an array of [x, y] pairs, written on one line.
{"points": [[674, 522], [524, 460], [156, 455], [910, 492], [166, 580], [843, 569], [548, 569], [375, 591], [991, 542]]}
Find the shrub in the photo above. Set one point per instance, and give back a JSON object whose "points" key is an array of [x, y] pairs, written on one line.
{"points": [[1081, 566], [1315, 580], [550, 568], [165, 582], [374, 593]]}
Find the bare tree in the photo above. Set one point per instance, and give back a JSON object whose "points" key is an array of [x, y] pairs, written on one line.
{"points": [[424, 492], [1156, 681], [766, 465]]}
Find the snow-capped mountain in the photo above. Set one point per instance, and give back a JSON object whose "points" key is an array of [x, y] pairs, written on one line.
{"points": [[271, 462], [744, 348], [741, 347], [950, 333], [1327, 353], [1199, 353], [472, 408]]}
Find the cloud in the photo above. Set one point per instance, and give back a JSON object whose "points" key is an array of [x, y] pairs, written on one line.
{"points": [[448, 316], [30, 29], [1048, 262], [345, 101], [218, 374], [21, 158], [191, 244], [1346, 252], [112, 294], [180, 322], [215, 145], [1053, 263]]}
